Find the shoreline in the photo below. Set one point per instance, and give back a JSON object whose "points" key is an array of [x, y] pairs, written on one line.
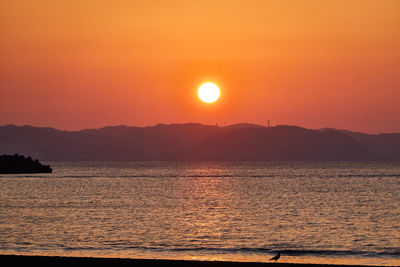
{"points": [[24, 260]]}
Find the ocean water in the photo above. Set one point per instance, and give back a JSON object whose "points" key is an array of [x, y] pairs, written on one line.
{"points": [[313, 212]]}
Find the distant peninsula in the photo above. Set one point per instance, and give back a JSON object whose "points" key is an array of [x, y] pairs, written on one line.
{"points": [[198, 142], [14, 164]]}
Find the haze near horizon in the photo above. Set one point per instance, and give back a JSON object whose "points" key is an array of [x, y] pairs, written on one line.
{"points": [[74, 65]]}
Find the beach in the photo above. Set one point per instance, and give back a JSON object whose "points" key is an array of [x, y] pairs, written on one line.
{"points": [[17, 260]]}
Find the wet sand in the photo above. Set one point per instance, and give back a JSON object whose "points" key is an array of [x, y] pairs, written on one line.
{"points": [[15, 260]]}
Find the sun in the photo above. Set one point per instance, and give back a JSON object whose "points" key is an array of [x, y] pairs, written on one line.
{"points": [[208, 92]]}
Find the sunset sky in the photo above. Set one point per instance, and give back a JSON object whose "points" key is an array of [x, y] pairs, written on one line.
{"points": [[87, 64]]}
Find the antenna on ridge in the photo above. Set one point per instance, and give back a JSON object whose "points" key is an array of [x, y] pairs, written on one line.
{"points": [[268, 123]]}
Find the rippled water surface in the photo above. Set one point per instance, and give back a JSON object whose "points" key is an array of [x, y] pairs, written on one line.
{"points": [[311, 212]]}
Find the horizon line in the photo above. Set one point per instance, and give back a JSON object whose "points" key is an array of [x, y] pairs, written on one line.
{"points": [[195, 123]]}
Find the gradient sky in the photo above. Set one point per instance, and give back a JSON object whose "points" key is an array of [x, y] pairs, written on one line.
{"points": [[86, 64]]}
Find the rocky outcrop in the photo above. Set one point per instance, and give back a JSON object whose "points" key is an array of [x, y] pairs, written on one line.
{"points": [[19, 164]]}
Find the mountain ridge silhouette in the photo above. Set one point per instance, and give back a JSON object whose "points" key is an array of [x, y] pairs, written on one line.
{"points": [[195, 141]]}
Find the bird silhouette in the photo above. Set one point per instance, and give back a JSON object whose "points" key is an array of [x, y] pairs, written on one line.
{"points": [[276, 257]]}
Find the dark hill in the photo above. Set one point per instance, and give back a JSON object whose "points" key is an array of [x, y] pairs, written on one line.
{"points": [[385, 145], [285, 143], [194, 141]]}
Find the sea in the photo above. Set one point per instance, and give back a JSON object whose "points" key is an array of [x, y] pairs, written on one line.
{"points": [[310, 212]]}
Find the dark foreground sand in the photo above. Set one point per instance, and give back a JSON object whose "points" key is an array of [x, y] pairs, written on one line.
{"points": [[14, 260]]}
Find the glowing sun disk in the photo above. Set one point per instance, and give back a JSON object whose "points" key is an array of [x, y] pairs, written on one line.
{"points": [[208, 92]]}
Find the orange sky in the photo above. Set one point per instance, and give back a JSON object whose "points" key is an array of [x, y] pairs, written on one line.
{"points": [[86, 64]]}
